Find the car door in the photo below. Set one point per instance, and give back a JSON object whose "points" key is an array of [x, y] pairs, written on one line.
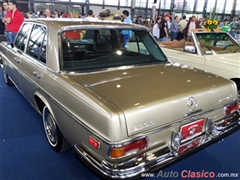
{"points": [[224, 59], [185, 57], [33, 62], [15, 54]]}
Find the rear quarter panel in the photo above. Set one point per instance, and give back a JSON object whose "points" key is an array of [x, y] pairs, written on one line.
{"points": [[80, 113]]}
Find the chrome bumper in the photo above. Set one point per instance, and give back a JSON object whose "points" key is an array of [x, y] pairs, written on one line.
{"points": [[149, 162]]}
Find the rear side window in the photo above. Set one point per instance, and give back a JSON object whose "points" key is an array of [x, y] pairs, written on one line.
{"points": [[37, 43], [21, 39]]}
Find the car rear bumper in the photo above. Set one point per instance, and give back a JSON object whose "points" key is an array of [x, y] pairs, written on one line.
{"points": [[149, 162]]}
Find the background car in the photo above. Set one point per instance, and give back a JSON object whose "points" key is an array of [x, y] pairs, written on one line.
{"points": [[215, 52], [235, 30]]}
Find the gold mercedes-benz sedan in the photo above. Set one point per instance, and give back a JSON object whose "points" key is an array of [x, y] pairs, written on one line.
{"points": [[107, 89]]}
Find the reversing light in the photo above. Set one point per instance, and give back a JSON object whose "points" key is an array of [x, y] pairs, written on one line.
{"points": [[134, 147], [94, 143], [231, 109]]}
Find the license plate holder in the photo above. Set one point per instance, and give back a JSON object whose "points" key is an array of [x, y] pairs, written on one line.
{"points": [[191, 144], [191, 130]]}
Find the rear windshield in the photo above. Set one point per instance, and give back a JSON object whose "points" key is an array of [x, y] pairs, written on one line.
{"points": [[106, 48]]}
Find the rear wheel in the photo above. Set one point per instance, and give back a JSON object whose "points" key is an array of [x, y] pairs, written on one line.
{"points": [[54, 136], [6, 78]]}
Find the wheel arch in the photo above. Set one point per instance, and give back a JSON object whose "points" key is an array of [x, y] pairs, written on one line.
{"points": [[41, 102]]}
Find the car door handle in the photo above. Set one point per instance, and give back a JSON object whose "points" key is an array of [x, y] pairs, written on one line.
{"points": [[17, 60], [35, 73]]}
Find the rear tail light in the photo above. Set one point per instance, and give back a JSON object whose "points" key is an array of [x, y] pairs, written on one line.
{"points": [[231, 109], [134, 147]]}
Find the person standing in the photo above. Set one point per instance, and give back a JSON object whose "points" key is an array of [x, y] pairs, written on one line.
{"points": [[126, 34], [56, 14], [147, 23], [138, 20], [16, 19], [163, 30], [156, 29], [33, 15], [182, 25], [90, 15], [226, 27], [203, 22], [168, 18], [174, 28], [41, 14], [192, 24], [47, 13], [6, 20], [2, 25]]}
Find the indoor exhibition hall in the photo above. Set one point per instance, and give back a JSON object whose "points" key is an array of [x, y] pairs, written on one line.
{"points": [[119, 89]]}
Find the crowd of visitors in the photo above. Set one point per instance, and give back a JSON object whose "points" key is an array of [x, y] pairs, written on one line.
{"points": [[165, 28], [176, 28]]}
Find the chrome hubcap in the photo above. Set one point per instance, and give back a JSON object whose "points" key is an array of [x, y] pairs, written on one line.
{"points": [[50, 128]]}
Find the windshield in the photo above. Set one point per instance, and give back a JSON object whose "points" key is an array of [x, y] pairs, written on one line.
{"points": [[235, 25], [217, 43], [106, 48]]}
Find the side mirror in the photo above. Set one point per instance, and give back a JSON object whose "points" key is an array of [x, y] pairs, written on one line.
{"points": [[190, 49], [10, 45]]}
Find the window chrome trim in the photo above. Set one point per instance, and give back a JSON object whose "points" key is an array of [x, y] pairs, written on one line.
{"points": [[98, 26]]}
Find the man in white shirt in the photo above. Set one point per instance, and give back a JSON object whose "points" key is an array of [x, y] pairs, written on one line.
{"points": [[167, 19], [192, 24]]}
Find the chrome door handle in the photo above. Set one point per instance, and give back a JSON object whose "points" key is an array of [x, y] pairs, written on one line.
{"points": [[35, 73], [17, 60]]}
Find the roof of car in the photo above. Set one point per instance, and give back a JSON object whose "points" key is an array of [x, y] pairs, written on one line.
{"points": [[63, 22]]}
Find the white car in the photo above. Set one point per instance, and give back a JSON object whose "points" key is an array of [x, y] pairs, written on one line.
{"points": [[215, 52]]}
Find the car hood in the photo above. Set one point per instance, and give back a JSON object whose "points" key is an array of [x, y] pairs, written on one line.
{"points": [[156, 95]]}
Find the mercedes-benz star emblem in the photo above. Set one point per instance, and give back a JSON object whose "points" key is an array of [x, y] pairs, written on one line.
{"points": [[192, 103]]}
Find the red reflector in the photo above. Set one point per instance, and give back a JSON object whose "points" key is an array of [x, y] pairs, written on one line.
{"points": [[94, 143], [231, 109]]}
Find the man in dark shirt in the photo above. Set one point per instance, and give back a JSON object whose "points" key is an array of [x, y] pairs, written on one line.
{"points": [[163, 30], [16, 19], [2, 25]]}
